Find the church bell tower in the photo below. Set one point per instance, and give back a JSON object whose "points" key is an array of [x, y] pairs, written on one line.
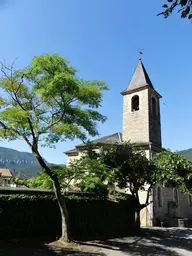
{"points": [[141, 112]]}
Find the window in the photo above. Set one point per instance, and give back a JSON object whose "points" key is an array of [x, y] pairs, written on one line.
{"points": [[190, 200], [154, 107], [175, 195], [159, 197], [135, 103]]}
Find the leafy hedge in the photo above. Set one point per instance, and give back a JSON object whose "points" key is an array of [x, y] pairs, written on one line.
{"points": [[38, 215]]}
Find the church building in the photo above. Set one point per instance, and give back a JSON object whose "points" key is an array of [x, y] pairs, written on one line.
{"points": [[142, 126]]}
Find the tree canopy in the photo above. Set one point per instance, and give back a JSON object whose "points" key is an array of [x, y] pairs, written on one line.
{"points": [[41, 180], [127, 167], [67, 176], [173, 170], [123, 166], [45, 103], [182, 6], [131, 169]]}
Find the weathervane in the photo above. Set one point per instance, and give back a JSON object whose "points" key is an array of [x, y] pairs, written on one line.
{"points": [[140, 52]]}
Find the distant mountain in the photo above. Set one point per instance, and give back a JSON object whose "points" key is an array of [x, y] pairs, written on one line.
{"points": [[22, 162], [186, 153], [26, 163]]}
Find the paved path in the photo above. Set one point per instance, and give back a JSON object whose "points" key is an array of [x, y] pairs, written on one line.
{"points": [[155, 241]]}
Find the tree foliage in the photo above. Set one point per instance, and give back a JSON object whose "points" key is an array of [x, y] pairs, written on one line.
{"points": [[67, 176], [41, 180], [45, 103], [19, 181], [182, 6], [173, 170], [93, 185], [127, 167], [122, 166], [130, 169]]}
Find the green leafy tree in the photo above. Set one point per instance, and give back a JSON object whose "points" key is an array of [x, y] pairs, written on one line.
{"points": [[93, 185], [93, 172], [45, 103], [41, 180], [67, 176], [133, 171], [122, 165], [173, 170], [19, 181], [182, 6], [129, 168]]}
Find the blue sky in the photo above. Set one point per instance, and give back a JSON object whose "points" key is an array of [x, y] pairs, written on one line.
{"points": [[100, 38]]}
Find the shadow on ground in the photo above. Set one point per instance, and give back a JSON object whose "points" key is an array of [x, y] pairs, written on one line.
{"points": [[171, 237], [173, 242], [154, 241], [38, 248]]}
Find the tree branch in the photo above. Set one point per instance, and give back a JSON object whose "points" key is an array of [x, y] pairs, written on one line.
{"points": [[63, 111], [16, 98], [148, 195], [145, 205], [5, 127]]}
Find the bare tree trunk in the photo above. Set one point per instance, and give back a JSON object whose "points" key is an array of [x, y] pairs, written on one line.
{"points": [[64, 212], [139, 207], [137, 212], [137, 220], [60, 199]]}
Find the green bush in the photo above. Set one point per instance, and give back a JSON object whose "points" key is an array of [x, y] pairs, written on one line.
{"points": [[94, 185], [90, 217]]}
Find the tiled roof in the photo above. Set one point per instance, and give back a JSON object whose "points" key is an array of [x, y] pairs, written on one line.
{"points": [[110, 139], [5, 172], [71, 151]]}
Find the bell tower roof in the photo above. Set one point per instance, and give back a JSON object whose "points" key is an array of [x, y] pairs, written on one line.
{"points": [[140, 79]]}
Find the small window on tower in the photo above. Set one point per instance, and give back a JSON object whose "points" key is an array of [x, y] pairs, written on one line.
{"points": [[135, 103], [154, 107]]}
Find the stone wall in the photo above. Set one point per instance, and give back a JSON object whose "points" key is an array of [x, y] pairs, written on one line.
{"points": [[146, 213], [166, 208], [154, 119], [136, 123], [143, 125]]}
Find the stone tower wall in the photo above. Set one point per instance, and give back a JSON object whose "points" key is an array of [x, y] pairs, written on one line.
{"points": [[136, 123], [143, 125], [154, 119]]}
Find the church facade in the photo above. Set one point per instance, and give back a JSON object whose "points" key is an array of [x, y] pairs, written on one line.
{"points": [[142, 126]]}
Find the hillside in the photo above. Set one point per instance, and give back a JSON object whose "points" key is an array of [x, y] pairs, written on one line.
{"points": [[186, 153], [26, 163], [22, 162]]}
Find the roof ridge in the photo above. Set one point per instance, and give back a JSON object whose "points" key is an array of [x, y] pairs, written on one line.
{"points": [[146, 75]]}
